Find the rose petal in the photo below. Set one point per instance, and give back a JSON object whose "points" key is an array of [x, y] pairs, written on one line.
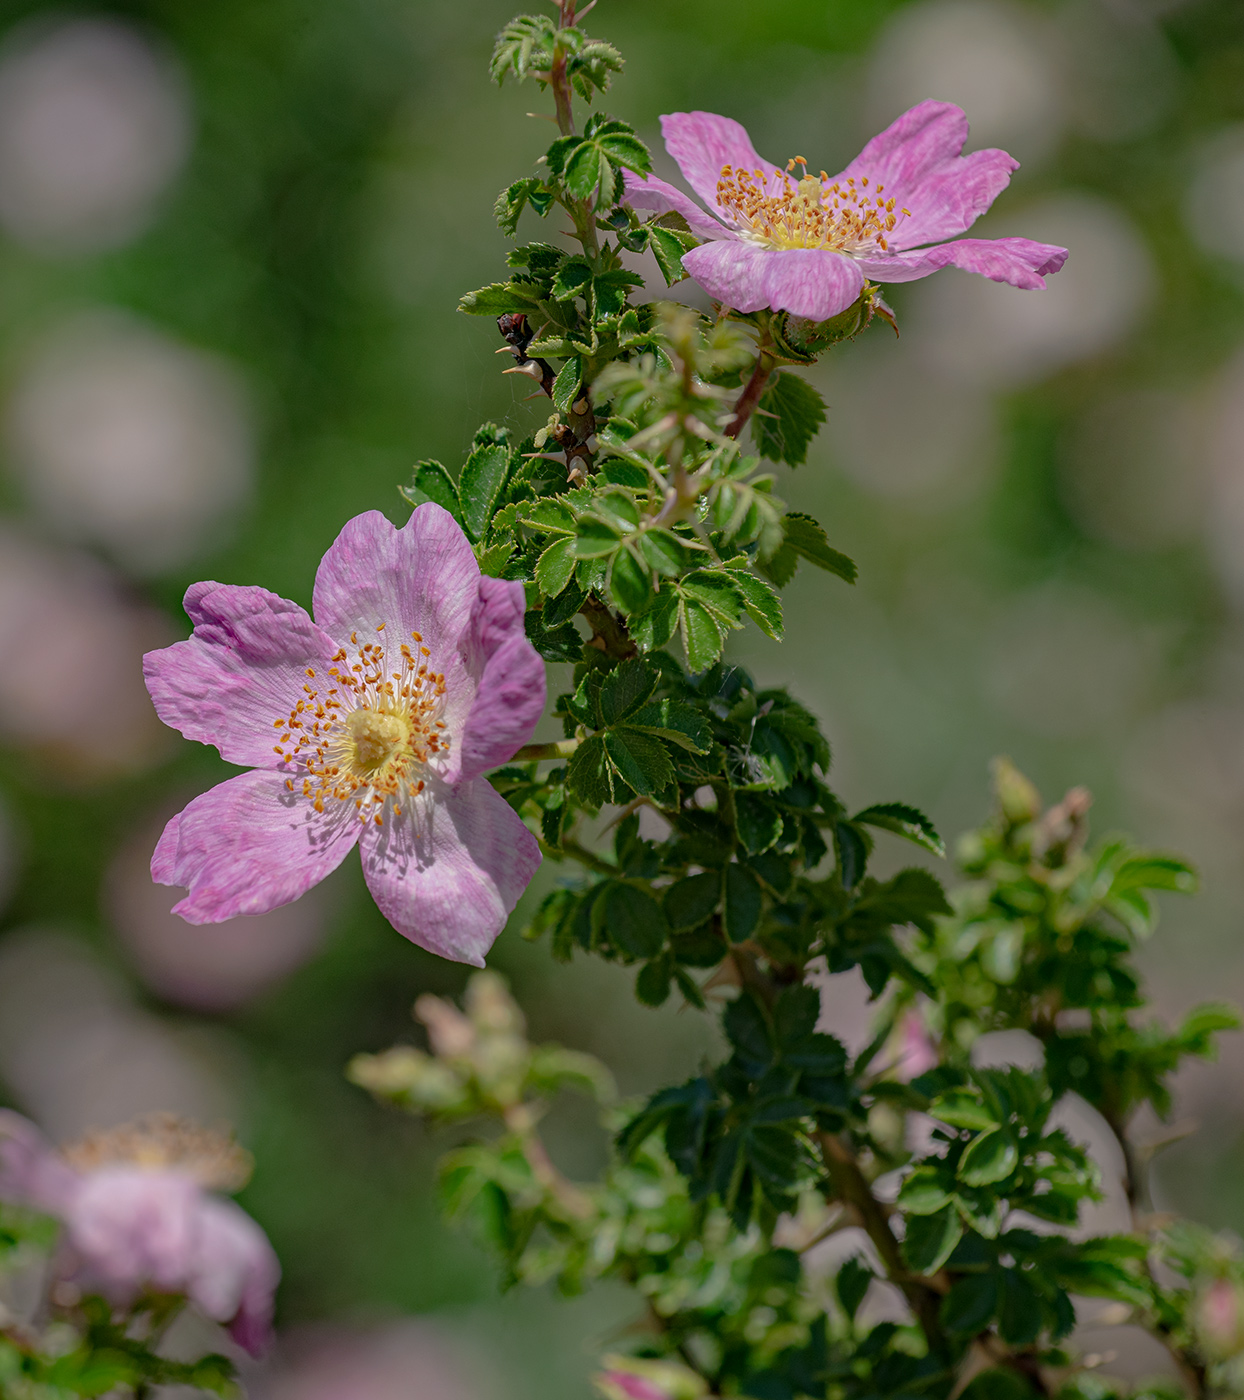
{"points": [[132, 1228], [657, 197], [243, 668], [810, 282], [953, 197], [911, 148], [702, 142], [1019, 261], [234, 1273], [249, 845], [512, 688], [448, 874], [31, 1171], [421, 578]]}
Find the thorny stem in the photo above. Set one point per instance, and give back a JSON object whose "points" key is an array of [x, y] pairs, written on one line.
{"points": [[750, 396], [853, 1188]]}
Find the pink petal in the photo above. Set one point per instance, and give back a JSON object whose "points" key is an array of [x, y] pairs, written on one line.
{"points": [[243, 667], [657, 197], [234, 1273], [421, 578], [953, 197], [32, 1173], [249, 845], [811, 282], [1019, 261], [449, 873], [702, 142], [511, 694], [132, 1228], [911, 148]]}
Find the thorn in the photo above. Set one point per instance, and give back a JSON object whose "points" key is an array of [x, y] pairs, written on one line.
{"points": [[543, 117]]}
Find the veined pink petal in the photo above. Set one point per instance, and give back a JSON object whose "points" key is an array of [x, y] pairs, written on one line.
{"points": [[953, 197], [911, 148], [812, 282], [243, 667], [448, 874], [511, 694], [657, 197], [421, 578], [702, 142], [249, 845], [1019, 261]]}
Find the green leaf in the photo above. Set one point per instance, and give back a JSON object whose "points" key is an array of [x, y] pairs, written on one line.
{"points": [[991, 1157], [999, 1383], [701, 635], [854, 1278], [588, 773], [634, 920], [652, 986], [630, 584], [743, 902], [668, 249], [758, 823], [788, 417], [1019, 1309], [431, 482], [931, 1239], [512, 201], [673, 721], [692, 901], [1155, 873], [555, 567], [654, 627], [500, 299], [922, 1193], [970, 1305], [625, 689], [807, 538], [588, 172], [566, 385], [573, 279], [595, 539], [640, 761], [762, 603], [479, 487], [961, 1108], [549, 515], [903, 821]]}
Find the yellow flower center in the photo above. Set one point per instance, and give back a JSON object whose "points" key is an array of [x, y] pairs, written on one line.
{"points": [[808, 212], [164, 1142], [367, 732]]}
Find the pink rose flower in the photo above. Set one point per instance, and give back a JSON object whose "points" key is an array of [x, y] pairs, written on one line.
{"points": [[792, 241], [139, 1218], [371, 725]]}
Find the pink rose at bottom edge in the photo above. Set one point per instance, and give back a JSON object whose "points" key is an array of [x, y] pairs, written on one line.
{"points": [[790, 240], [642, 1378], [140, 1216], [371, 726]]}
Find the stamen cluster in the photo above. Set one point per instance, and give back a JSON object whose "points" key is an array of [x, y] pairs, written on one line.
{"points": [[367, 736], [163, 1141], [808, 212]]}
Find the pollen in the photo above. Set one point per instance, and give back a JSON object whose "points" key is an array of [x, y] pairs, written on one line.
{"points": [[164, 1142], [794, 209], [373, 738]]}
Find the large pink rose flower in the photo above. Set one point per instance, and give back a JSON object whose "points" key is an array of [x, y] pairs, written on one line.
{"points": [[140, 1218], [371, 725], [792, 241]]}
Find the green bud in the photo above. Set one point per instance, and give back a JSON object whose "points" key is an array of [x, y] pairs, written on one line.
{"points": [[1017, 796]]}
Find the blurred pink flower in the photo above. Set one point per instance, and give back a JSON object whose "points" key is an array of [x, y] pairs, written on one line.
{"points": [[805, 243], [371, 725], [139, 1218], [917, 1054]]}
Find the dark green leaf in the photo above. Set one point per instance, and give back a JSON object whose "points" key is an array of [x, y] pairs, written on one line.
{"points": [[758, 823], [788, 417], [639, 760], [931, 1238], [625, 689], [1019, 1309], [852, 1284], [807, 538], [587, 773], [970, 1305], [431, 482], [903, 821], [634, 920], [693, 901], [676, 722], [742, 902], [630, 584], [652, 986]]}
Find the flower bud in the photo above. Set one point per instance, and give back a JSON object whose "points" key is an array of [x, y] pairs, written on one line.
{"points": [[1219, 1318], [450, 1034], [638, 1378], [1019, 799]]}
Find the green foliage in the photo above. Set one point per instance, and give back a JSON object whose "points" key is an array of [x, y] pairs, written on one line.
{"points": [[789, 417]]}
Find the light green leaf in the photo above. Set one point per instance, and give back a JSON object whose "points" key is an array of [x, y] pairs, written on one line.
{"points": [[990, 1157], [555, 567]]}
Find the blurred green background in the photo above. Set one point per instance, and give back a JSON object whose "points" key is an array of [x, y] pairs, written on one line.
{"points": [[232, 239]]}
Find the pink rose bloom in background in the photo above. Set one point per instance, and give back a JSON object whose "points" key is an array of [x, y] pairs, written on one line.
{"points": [[139, 1217], [791, 241], [371, 725]]}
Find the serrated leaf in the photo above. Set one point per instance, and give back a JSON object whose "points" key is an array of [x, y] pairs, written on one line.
{"points": [[630, 584], [652, 985], [588, 773], [625, 689], [743, 901], [634, 920], [702, 637], [640, 761], [566, 385], [930, 1239], [961, 1109], [431, 482], [500, 299], [991, 1157], [572, 279], [970, 1305], [807, 538], [675, 722], [692, 901], [788, 417], [555, 566], [922, 1193], [762, 603], [595, 539], [479, 487], [655, 625], [668, 249], [758, 823], [903, 820]]}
